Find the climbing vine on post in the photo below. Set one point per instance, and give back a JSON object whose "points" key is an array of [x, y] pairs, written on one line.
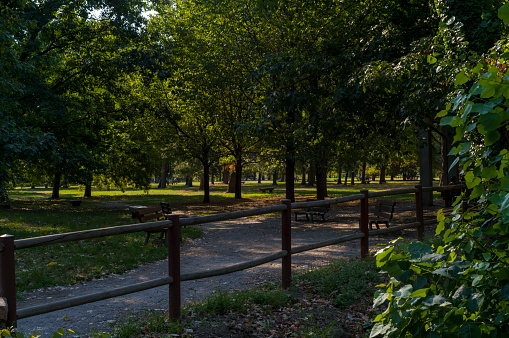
{"points": [[459, 285]]}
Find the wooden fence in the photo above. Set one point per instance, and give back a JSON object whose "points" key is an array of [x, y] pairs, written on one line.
{"points": [[8, 246]]}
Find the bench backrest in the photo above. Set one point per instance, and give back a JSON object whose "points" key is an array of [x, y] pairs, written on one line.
{"points": [[324, 208], [165, 207], [148, 214], [384, 209]]}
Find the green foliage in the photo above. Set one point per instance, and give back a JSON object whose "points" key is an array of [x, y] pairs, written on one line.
{"points": [[459, 285], [221, 302], [57, 334], [344, 281], [140, 325]]}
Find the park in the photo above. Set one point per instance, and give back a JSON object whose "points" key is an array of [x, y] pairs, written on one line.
{"points": [[254, 168]]}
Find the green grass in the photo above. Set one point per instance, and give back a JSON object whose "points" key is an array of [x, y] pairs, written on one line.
{"points": [[222, 303], [68, 263], [344, 281], [152, 322], [34, 214], [180, 192]]}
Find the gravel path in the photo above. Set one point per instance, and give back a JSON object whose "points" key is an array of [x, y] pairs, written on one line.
{"points": [[223, 244]]}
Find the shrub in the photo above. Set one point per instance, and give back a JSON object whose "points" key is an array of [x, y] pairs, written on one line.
{"points": [[460, 286]]}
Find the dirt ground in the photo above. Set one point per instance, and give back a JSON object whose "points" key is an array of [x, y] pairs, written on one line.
{"points": [[223, 244]]}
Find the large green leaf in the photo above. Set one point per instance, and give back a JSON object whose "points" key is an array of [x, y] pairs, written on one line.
{"points": [[470, 331], [434, 300], [461, 78], [461, 293], [382, 256], [491, 121], [503, 13], [491, 137], [404, 292]]}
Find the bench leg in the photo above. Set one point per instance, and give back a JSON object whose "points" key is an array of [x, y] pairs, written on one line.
{"points": [[147, 238]]}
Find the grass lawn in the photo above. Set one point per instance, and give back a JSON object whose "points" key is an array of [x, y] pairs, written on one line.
{"points": [[34, 214]]}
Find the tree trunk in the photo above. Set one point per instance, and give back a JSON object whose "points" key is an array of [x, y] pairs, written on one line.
{"points": [[202, 183], [56, 185], [189, 181], [425, 159], [352, 182], [205, 182], [88, 190], [303, 182], [346, 178], [274, 178], [226, 176], [340, 172], [364, 164], [445, 145], [321, 183], [238, 178], [382, 174], [231, 184], [290, 173], [312, 174], [164, 176], [259, 178]]}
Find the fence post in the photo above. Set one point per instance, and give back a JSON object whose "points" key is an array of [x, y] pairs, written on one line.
{"points": [[364, 222], [8, 277], [419, 213], [173, 236], [286, 244]]}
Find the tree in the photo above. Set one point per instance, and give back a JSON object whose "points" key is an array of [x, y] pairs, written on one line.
{"points": [[460, 285], [56, 46]]}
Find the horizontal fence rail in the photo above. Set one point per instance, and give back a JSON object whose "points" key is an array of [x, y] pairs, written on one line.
{"points": [[93, 297], [172, 226]]}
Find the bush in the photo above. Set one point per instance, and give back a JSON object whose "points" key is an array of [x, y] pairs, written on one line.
{"points": [[460, 286]]}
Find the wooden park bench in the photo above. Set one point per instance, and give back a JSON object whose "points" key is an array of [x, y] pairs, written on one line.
{"points": [[266, 189], [154, 214], [151, 214], [313, 211], [384, 212]]}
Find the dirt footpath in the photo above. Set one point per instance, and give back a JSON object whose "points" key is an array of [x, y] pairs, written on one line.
{"points": [[223, 244]]}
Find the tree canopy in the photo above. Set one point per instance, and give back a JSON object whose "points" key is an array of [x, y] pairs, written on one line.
{"points": [[98, 89]]}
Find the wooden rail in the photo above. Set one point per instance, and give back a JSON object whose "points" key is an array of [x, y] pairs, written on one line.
{"points": [[8, 245]]}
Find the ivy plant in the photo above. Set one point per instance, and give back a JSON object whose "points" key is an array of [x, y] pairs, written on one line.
{"points": [[459, 284]]}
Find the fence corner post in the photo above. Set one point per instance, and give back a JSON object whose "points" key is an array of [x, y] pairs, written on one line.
{"points": [[419, 211], [8, 278], [286, 244], [173, 236], [364, 222]]}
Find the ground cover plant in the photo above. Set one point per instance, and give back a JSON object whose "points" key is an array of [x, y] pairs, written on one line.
{"points": [[316, 306]]}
